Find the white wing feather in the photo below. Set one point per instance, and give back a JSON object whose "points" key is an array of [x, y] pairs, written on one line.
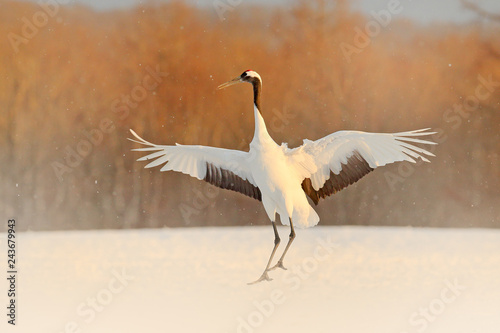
{"points": [[193, 160], [377, 149]]}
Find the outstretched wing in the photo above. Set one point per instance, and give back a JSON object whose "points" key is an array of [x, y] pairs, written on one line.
{"points": [[224, 168], [342, 158]]}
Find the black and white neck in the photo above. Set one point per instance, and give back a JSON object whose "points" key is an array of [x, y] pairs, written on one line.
{"points": [[256, 81], [261, 136]]}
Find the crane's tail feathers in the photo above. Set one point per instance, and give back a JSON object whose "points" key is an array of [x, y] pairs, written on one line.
{"points": [[416, 149], [140, 140], [160, 153], [404, 139], [419, 132], [425, 142]]}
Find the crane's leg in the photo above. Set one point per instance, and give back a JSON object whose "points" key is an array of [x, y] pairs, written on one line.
{"points": [[290, 240], [277, 240]]}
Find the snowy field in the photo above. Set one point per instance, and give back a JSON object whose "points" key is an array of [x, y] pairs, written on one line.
{"points": [[339, 279]]}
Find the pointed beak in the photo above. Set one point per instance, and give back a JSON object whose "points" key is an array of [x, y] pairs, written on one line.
{"points": [[230, 83]]}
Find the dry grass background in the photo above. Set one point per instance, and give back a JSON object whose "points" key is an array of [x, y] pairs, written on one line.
{"points": [[74, 72]]}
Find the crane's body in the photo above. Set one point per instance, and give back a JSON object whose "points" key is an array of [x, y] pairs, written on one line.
{"points": [[283, 178], [278, 179]]}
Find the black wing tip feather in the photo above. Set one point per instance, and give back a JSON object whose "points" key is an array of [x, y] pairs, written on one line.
{"points": [[228, 180], [355, 168]]}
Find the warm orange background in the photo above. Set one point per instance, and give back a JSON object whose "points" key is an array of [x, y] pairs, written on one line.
{"points": [[72, 74]]}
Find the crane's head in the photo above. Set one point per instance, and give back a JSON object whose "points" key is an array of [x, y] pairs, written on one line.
{"points": [[247, 76]]}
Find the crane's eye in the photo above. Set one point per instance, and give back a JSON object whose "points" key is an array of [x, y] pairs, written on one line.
{"points": [[244, 74]]}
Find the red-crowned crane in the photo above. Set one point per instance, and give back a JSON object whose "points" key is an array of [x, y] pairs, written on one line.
{"points": [[283, 178]]}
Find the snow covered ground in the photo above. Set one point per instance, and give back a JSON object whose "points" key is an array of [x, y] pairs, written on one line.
{"points": [[340, 279]]}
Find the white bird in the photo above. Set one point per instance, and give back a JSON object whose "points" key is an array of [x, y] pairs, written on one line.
{"points": [[281, 177]]}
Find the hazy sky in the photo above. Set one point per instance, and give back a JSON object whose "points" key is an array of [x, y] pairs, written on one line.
{"points": [[432, 10], [423, 11]]}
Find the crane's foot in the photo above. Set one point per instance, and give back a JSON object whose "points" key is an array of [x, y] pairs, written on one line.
{"points": [[263, 277], [279, 264]]}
